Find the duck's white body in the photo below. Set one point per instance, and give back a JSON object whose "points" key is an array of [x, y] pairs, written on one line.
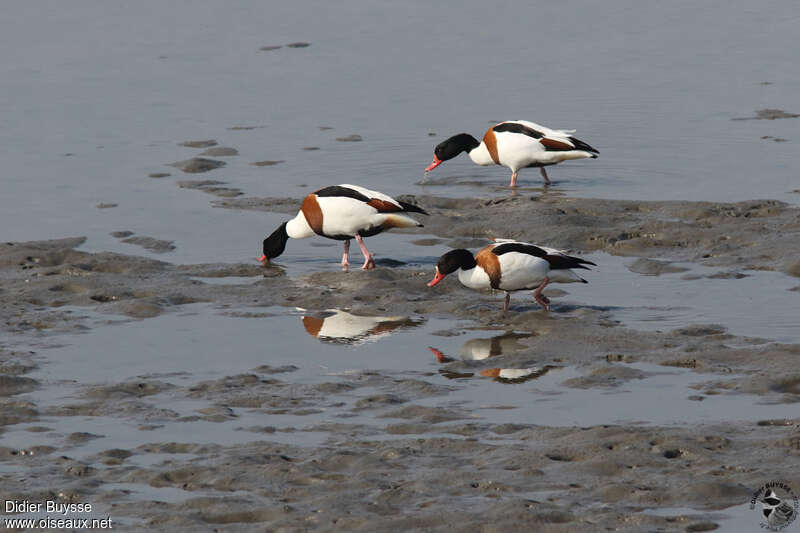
{"points": [[343, 212], [344, 216], [518, 270], [516, 144], [511, 266], [518, 150]]}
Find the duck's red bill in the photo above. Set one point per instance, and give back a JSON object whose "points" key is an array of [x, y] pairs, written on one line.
{"points": [[436, 163], [263, 259], [436, 279]]}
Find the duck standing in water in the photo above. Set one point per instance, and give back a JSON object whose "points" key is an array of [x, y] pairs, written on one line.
{"points": [[515, 144]]}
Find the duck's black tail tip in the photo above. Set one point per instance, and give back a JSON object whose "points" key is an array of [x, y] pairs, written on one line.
{"points": [[411, 208]]}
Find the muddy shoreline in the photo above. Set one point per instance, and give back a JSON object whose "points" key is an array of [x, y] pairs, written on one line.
{"points": [[388, 460]]}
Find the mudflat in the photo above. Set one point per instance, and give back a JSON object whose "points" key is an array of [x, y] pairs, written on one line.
{"points": [[293, 447]]}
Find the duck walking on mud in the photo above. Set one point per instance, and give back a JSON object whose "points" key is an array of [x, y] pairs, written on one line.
{"points": [[342, 212], [511, 266], [515, 144]]}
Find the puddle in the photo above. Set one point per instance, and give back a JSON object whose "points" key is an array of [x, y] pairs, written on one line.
{"points": [[736, 519], [197, 343], [327, 346], [758, 305], [539, 396]]}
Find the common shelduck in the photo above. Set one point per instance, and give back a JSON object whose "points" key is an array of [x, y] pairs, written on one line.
{"points": [[341, 327], [511, 266], [342, 212], [515, 144]]}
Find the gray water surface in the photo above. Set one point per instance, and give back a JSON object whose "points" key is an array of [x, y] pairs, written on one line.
{"points": [[94, 98]]}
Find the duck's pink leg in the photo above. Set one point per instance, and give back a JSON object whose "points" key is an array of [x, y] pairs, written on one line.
{"points": [[507, 302], [513, 180], [346, 256], [544, 175], [543, 300], [368, 262]]}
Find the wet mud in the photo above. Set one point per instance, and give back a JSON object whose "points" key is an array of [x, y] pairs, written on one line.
{"points": [[769, 114], [390, 450], [220, 151], [213, 187], [199, 144], [197, 165], [267, 163], [350, 138]]}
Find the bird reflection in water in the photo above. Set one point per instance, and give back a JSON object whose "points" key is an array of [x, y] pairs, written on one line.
{"points": [[480, 349], [340, 327]]}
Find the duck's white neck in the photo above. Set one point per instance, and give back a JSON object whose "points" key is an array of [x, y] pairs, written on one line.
{"points": [[298, 227], [480, 155]]}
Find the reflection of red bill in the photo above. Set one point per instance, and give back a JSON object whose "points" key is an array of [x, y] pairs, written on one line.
{"points": [[436, 163], [440, 357], [436, 279], [491, 372], [263, 259]]}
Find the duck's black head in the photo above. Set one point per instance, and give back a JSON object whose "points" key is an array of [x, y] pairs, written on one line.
{"points": [[275, 244], [450, 262], [449, 148]]}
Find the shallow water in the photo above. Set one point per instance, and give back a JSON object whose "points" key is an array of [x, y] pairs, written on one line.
{"points": [[194, 345], [760, 304], [91, 110], [736, 519]]}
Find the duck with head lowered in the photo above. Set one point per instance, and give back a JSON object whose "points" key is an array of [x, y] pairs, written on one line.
{"points": [[511, 266], [342, 212], [515, 144]]}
